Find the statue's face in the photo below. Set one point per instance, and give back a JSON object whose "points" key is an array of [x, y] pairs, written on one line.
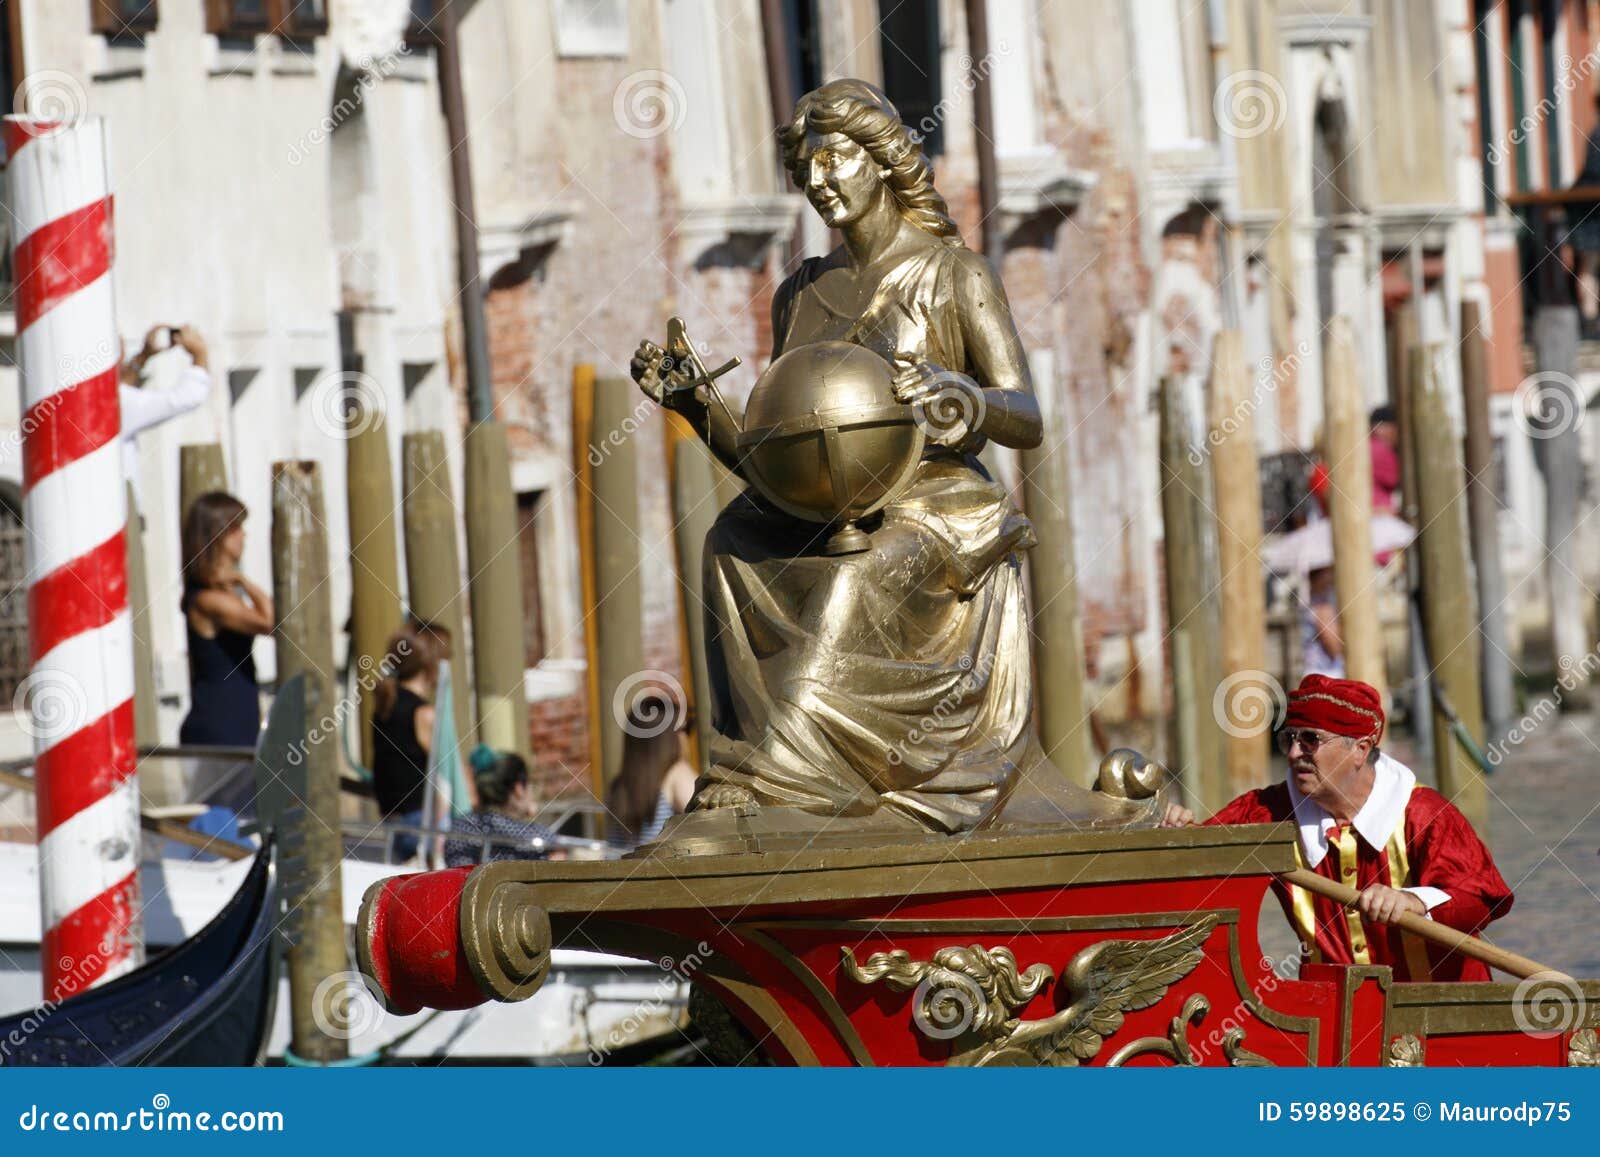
{"points": [[841, 180]]}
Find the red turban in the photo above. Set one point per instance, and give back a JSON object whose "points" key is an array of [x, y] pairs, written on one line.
{"points": [[1338, 706]]}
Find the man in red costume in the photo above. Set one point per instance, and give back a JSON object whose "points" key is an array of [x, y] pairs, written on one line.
{"points": [[1365, 822]]}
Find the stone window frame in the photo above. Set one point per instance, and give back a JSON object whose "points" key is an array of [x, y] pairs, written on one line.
{"points": [[114, 20], [290, 19]]}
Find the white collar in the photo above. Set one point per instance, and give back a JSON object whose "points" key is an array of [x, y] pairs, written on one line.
{"points": [[1384, 810]]}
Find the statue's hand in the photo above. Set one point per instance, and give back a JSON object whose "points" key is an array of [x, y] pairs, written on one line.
{"points": [[948, 405], [661, 374], [646, 368]]}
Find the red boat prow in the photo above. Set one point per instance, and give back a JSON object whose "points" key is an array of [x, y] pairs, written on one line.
{"points": [[1061, 948]]}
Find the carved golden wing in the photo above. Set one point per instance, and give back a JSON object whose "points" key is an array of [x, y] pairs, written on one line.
{"points": [[1104, 982]]}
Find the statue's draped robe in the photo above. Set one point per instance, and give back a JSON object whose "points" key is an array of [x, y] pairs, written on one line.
{"points": [[898, 677]]}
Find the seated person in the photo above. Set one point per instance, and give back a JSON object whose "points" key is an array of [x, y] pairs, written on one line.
{"points": [[506, 807], [1364, 821]]}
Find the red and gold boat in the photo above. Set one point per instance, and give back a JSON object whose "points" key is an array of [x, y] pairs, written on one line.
{"points": [[1125, 947]]}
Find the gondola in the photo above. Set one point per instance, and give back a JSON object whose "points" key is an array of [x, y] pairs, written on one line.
{"points": [[206, 1001]]}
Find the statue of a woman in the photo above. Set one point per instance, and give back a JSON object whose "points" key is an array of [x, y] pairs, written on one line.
{"points": [[894, 682]]}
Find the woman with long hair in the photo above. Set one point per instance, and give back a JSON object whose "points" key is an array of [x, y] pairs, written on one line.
{"points": [[894, 681], [223, 613], [506, 807], [402, 728], [655, 782]]}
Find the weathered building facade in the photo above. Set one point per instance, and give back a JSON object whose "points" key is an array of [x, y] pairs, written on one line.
{"points": [[282, 187], [1164, 169]]}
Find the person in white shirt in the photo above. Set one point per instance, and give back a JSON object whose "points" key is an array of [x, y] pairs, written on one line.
{"points": [[143, 407]]}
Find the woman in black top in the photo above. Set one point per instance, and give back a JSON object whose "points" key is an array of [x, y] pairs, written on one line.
{"points": [[402, 729], [223, 613]]}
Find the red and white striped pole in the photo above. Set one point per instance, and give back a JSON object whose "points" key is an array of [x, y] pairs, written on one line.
{"points": [[80, 685]]}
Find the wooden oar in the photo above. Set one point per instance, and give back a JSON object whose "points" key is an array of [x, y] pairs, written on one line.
{"points": [[1518, 966]]}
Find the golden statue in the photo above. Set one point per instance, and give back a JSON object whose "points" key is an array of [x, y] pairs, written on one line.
{"points": [[867, 631]]}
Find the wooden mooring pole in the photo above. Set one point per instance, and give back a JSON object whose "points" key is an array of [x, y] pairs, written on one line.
{"points": [[201, 470], [1058, 659], [1193, 626], [1483, 514], [1236, 474], [304, 638], [494, 586], [619, 585], [1448, 613], [374, 553], [433, 559], [1349, 460], [694, 510]]}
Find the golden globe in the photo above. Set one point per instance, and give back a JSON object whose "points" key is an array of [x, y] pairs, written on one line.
{"points": [[825, 440]]}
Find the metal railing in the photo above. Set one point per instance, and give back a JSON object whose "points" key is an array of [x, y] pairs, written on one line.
{"points": [[363, 834]]}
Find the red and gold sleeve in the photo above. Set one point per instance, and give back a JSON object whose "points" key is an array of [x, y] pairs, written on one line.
{"points": [[1259, 806], [1448, 854]]}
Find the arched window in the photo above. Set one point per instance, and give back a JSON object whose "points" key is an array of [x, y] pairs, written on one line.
{"points": [[1332, 166]]}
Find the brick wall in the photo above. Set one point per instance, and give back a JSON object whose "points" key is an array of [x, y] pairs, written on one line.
{"points": [[560, 730]]}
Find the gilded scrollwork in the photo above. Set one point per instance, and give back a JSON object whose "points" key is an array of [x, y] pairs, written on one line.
{"points": [[1240, 1057], [1175, 1045], [1583, 1050], [973, 996], [978, 985], [507, 940], [1405, 1052]]}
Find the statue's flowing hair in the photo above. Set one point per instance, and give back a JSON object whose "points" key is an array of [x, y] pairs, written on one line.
{"points": [[864, 114]]}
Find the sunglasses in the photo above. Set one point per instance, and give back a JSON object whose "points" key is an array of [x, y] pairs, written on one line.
{"points": [[1309, 741]]}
